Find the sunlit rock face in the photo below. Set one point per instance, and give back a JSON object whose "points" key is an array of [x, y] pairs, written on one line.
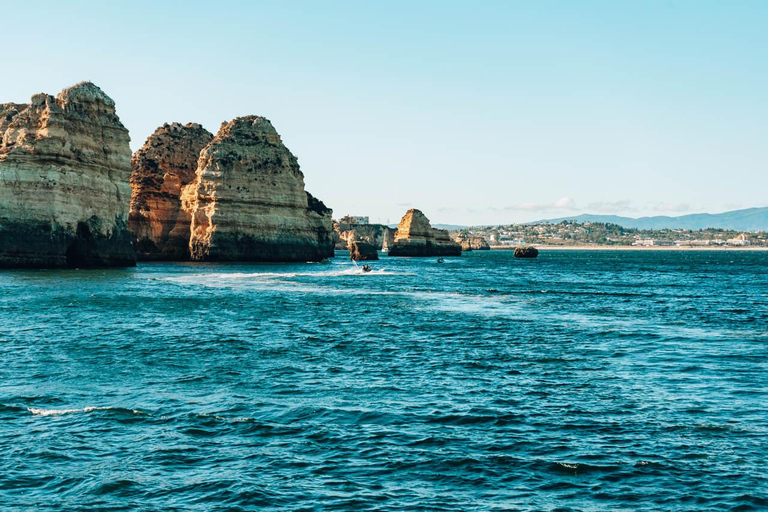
{"points": [[160, 170], [65, 165], [415, 236], [473, 243], [375, 234], [248, 201]]}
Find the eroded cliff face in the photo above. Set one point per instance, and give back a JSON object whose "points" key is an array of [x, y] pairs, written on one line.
{"points": [[64, 181], [473, 243], [375, 234], [415, 236], [248, 201], [160, 170]]}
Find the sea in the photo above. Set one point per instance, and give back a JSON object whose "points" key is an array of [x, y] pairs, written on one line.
{"points": [[579, 380]]}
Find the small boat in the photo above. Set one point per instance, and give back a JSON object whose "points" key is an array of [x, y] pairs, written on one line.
{"points": [[440, 260], [367, 268]]}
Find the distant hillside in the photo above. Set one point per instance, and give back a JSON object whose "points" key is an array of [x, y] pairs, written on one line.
{"points": [[449, 227], [751, 219]]}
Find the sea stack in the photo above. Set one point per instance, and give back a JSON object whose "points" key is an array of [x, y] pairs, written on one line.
{"points": [[65, 165], [160, 170], [362, 251], [473, 243], [248, 202], [415, 236]]}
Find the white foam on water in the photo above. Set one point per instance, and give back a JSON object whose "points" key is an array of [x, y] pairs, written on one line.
{"points": [[58, 412], [225, 278]]}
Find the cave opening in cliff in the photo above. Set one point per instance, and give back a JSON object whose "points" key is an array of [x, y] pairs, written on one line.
{"points": [[79, 251]]}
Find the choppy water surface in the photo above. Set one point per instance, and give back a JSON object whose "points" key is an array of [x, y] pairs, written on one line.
{"points": [[580, 380]]}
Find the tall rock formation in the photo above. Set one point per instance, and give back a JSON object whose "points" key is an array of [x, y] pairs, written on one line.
{"points": [[161, 169], [248, 201], [415, 236], [65, 164]]}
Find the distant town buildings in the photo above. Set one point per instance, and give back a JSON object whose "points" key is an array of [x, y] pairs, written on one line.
{"points": [[648, 242], [739, 240], [355, 219]]}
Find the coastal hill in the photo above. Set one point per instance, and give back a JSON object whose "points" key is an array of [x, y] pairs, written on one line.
{"points": [[750, 219]]}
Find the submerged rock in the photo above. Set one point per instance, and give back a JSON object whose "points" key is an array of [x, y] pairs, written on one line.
{"points": [[161, 169], [65, 165], [362, 251], [248, 202], [415, 236], [526, 252]]}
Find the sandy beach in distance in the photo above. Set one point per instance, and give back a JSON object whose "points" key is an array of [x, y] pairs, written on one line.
{"points": [[629, 248]]}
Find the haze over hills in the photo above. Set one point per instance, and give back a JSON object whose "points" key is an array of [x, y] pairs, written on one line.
{"points": [[750, 219]]}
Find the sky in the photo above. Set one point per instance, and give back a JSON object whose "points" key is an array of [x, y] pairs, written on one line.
{"points": [[474, 112]]}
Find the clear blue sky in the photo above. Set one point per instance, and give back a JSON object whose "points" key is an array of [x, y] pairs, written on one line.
{"points": [[475, 112]]}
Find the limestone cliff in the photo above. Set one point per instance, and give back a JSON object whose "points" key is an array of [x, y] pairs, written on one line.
{"points": [[248, 201], [362, 251], [161, 169], [65, 165], [415, 236], [374, 234], [473, 243]]}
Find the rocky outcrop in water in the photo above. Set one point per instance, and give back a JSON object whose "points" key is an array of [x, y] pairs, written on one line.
{"points": [[248, 202], [161, 169], [526, 252], [65, 165], [374, 234], [362, 251], [473, 243], [415, 236]]}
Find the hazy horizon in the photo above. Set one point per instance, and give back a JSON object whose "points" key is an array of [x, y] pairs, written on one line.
{"points": [[487, 114]]}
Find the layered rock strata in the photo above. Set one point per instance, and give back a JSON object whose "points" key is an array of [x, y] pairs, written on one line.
{"points": [[65, 165], [374, 234], [415, 236], [160, 170], [473, 243], [248, 202], [362, 251]]}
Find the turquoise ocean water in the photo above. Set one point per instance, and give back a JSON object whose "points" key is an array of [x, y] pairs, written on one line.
{"points": [[582, 380]]}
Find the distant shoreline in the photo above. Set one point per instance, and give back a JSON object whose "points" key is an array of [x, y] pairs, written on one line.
{"points": [[628, 248]]}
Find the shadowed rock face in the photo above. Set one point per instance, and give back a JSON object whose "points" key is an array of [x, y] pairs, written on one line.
{"points": [[526, 252], [64, 172], [415, 236], [362, 251], [248, 201], [161, 169]]}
